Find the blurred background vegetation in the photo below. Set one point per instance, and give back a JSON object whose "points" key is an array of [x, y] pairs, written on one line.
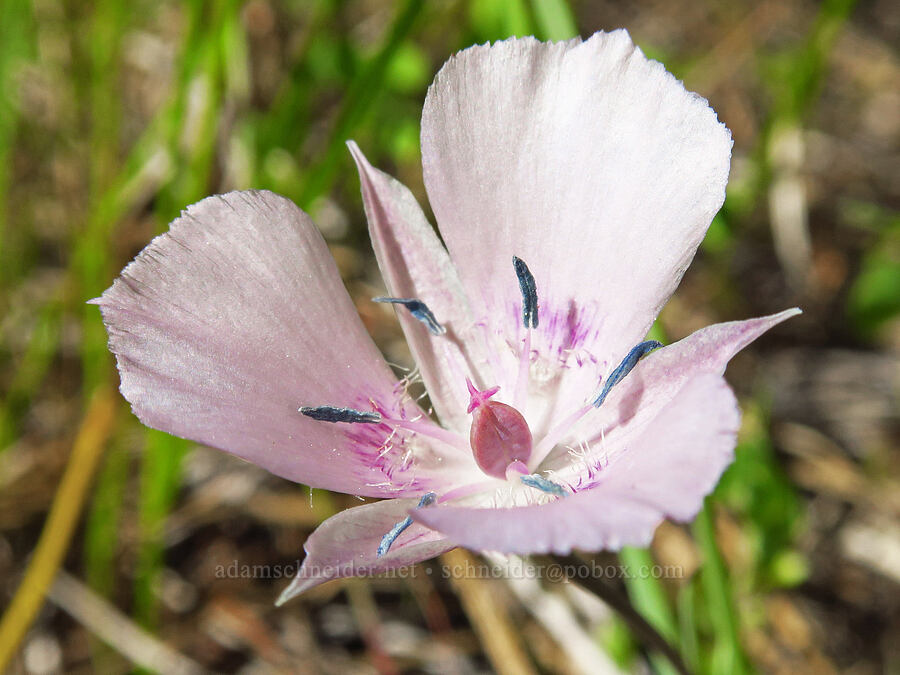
{"points": [[114, 116]]}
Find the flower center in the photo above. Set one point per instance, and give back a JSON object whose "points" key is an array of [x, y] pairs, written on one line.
{"points": [[499, 435]]}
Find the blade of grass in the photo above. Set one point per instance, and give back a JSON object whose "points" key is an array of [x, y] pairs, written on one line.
{"points": [[31, 369], [100, 45], [235, 54], [489, 618], [101, 539], [107, 25], [146, 167], [805, 68], [499, 19], [649, 598], [687, 623], [647, 593], [117, 630], [193, 128], [73, 489], [359, 98], [553, 19], [727, 654], [160, 480], [116, 191], [618, 642], [16, 46], [287, 122], [613, 596]]}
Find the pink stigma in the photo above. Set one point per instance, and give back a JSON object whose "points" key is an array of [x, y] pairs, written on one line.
{"points": [[478, 398]]}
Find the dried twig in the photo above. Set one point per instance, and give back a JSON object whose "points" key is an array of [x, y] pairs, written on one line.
{"points": [[64, 513], [558, 619], [117, 630], [489, 620]]}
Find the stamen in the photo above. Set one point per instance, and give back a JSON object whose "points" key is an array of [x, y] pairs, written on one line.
{"points": [[330, 413], [388, 540], [427, 428], [553, 436], [521, 393], [628, 363], [419, 310], [529, 293], [417, 425], [545, 485], [468, 490]]}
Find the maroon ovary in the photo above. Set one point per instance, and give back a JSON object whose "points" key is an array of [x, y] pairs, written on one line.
{"points": [[499, 435]]}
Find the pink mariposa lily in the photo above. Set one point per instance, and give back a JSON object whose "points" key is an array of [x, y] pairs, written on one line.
{"points": [[572, 183]]}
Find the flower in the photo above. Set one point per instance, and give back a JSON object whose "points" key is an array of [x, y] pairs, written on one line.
{"points": [[572, 183]]}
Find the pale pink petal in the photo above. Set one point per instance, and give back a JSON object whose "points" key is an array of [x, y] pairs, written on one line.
{"points": [[415, 264], [665, 472], [635, 401], [591, 163], [227, 324], [345, 545], [679, 457]]}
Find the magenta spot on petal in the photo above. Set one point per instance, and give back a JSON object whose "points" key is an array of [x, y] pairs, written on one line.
{"points": [[499, 436]]}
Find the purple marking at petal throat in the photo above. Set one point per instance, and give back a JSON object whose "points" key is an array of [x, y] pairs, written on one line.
{"points": [[386, 447]]}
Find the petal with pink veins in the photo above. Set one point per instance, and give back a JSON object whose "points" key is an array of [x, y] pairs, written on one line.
{"points": [[415, 264], [345, 545], [592, 164], [665, 472], [227, 324]]}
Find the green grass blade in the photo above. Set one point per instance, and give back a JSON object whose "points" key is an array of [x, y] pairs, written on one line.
{"points": [[160, 480], [500, 19], [359, 98], [687, 625], [16, 47], [727, 653], [31, 369], [649, 598], [101, 533], [554, 19]]}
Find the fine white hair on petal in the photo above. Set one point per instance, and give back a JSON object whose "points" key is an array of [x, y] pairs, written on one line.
{"points": [[590, 162]]}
